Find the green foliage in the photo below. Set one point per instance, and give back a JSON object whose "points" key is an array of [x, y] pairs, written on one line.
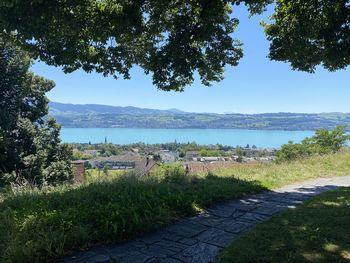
{"points": [[310, 33], [209, 152], [175, 174], [94, 175], [78, 155], [239, 152], [173, 39], [317, 231], [292, 151], [57, 172], [322, 142], [170, 39], [330, 141], [30, 149]]}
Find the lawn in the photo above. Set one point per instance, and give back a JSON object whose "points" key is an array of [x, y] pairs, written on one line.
{"points": [[317, 231], [43, 225]]}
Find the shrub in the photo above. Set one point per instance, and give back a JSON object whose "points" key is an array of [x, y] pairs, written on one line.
{"points": [[323, 142], [57, 172], [175, 174]]}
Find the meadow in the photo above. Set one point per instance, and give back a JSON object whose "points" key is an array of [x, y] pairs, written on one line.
{"points": [[41, 225]]}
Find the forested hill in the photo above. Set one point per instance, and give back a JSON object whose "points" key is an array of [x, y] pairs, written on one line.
{"points": [[102, 116]]}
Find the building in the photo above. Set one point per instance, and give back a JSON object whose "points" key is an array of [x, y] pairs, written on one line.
{"points": [[168, 156], [116, 162], [190, 155], [211, 159], [252, 152], [135, 150]]}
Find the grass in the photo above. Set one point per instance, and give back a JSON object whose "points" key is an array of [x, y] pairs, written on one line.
{"points": [[272, 175], [93, 175], [43, 225], [317, 231]]}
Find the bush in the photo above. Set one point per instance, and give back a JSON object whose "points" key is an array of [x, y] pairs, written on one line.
{"points": [[175, 174], [323, 142], [57, 172]]}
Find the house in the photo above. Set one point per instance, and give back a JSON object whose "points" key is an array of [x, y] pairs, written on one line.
{"points": [[135, 150], [190, 155], [168, 156], [211, 159], [252, 152], [116, 162]]}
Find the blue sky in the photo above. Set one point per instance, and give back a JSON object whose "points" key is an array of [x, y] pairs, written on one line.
{"points": [[256, 85]]}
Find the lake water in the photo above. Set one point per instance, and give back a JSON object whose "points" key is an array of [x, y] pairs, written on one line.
{"points": [[230, 137]]}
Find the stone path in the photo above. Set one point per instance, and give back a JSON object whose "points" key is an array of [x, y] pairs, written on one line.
{"points": [[199, 239]]}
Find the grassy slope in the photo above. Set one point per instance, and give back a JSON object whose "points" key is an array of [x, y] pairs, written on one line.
{"points": [[38, 226], [318, 231], [274, 176]]}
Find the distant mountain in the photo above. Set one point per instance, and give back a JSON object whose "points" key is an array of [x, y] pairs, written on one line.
{"points": [[176, 111], [57, 108], [102, 116]]}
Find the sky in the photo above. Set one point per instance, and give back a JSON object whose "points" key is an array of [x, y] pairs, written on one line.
{"points": [[256, 85]]}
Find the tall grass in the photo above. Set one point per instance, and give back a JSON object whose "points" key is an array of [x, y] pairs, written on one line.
{"points": [[43, 225], [94, 175]]}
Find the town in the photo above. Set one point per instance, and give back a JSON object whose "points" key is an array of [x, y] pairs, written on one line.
{"points": [[194, 157]]}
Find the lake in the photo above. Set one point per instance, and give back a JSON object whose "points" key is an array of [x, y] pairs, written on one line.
{"points": [[232, 137]]}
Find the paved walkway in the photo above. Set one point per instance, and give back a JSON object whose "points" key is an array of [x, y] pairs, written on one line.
{"points": [[199, 239]]}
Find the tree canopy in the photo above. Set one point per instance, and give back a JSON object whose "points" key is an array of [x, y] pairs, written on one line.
{"points": [[173, 39], [30, 149], [170, 39], [308, 33]]}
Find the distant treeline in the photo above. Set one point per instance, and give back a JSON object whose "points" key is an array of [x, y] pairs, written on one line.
{"points": [[206, 121], [101, 116]]}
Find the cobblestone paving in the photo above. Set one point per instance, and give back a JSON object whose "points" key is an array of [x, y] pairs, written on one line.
{"points": [[199, 239]]}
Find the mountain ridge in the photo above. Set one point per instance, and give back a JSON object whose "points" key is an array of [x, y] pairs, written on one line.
{"points": [[104, 109], [105, 116]]}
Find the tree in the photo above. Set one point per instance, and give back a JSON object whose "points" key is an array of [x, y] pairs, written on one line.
{"points": [[311, 32], [30, 148], [173, 39], [239, 154], [323, 142], [169, 39], [330, 141]]}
